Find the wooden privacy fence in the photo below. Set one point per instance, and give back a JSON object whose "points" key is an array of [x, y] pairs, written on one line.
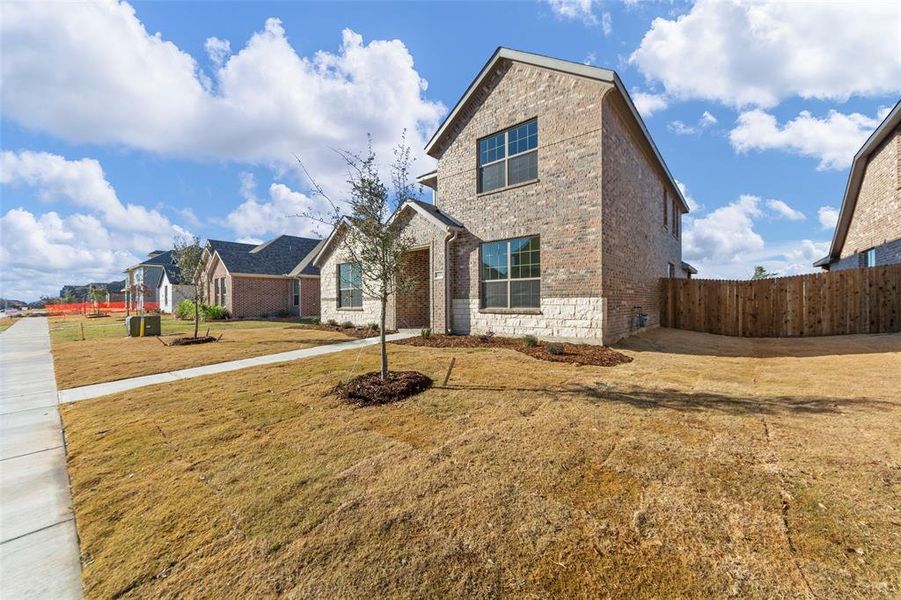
{"points": [[828, 303]]}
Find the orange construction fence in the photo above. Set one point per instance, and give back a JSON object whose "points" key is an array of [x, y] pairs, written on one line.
{"points": [[85, 308]]}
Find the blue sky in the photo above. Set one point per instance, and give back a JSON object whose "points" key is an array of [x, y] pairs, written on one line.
{"points": [[125, 124]]}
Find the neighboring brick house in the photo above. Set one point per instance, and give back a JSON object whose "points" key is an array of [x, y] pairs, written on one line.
{"points": [[868, 232], [264, 279], [554, 213], [142, 283]]}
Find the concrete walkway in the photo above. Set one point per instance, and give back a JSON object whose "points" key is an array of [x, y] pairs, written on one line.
{"points": [[113, 387], [38, 542]]}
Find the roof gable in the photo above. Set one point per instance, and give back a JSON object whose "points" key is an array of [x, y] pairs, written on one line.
{"points": [[278, 257], [564, 66], [855, 179]]}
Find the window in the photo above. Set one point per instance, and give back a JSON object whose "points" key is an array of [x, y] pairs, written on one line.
{"points": [[166, 295], [350, 286], [295, 292], [511, 273], [509, 157], [216, 293], [222, 289], [665, 209], [670, 270], [868, 258], [677, 216]]}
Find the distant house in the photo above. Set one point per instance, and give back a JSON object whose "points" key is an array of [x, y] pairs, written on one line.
{"points": [[79, 293], [868, 232], [553, 213], [173, 289], [144, 282], [253, 280]]}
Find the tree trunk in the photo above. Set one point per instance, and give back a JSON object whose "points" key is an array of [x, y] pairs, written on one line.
{"points": [[382, 343], [196, 314]]}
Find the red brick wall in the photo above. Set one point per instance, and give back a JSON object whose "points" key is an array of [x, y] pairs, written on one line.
{"points": [[309, 296], [258, 296], [637, 243], [413, 305]]}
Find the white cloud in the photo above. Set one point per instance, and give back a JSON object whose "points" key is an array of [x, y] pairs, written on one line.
{"points": [[743, 52], [577, 10], [725, 244], [90, 72], [647, 104], [41, 252], [707, 119], [781, 210], [218, 50], [281, 213], [832, 140], [606, 24], [828, 217]]}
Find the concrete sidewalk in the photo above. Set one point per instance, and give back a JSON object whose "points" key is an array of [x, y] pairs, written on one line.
{"points": [[39, 555], [104, 389]]}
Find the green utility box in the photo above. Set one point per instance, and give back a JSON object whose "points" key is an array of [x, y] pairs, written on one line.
{"points": [[151, 325]]}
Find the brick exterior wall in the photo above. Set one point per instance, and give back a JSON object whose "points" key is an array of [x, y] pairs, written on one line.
{"points": [[258, 296], [412, 306], [637, 242], [309, 296], [562, 207], [876, 221]]}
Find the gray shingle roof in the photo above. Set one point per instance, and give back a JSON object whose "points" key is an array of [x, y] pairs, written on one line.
{"points": [[278, 256]]}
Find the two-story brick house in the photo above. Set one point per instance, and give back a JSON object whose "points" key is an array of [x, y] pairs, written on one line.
{"points": [[553, 213], [868, 232], [256, 280]]}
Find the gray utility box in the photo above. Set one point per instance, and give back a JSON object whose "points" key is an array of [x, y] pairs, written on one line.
{"points": [[151, 325]]}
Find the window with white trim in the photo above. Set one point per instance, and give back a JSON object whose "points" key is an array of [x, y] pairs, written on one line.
{"points": [[509, 157], [510, 273], [216, 291], [868, 258], [350, 285]]}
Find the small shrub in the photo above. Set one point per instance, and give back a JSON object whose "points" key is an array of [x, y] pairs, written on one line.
{"points": [[373, 326], [426, 333], [347, 325], [554, 348], [185, 310], [282, 313], [332, 322], [315, 321], [214, 313], [530, 340]]}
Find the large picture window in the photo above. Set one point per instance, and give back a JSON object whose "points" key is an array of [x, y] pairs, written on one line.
{"points": [[350, 286], [510, 273], [509, 157]]}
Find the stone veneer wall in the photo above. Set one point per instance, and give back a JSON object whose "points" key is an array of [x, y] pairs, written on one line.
{"points": [[876, 221], [637, 243], [562, 206]]}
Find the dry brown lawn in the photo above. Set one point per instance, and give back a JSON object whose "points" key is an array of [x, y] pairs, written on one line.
{"points": [[107, 355], [707, 467]]}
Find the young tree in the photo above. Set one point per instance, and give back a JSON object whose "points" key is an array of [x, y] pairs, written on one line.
{"points": [[97, 295], [189, 257], [370, 241], [761, 273]]}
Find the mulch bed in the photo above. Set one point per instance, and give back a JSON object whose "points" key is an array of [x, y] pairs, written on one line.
{"points": [[188, 341], [97, 315], [370, 389], [580, 354]]}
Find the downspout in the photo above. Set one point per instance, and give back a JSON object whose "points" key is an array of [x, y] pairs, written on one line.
{"points": [[447, 288]]}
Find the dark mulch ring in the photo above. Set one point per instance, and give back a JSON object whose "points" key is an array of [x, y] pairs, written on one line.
{"points": [[188, 341], [370, 389], [97, 315], [580, 354]]}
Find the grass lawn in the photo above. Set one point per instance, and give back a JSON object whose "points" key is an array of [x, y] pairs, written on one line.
{"points": [[707, 467], [6, 324], [106, 354]]}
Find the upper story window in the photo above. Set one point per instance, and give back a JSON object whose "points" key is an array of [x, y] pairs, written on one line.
{"points": [[670, 270], [350, 286], [510, 273], [868, 258], [677, 217], [509, 157], [665, 209]]}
